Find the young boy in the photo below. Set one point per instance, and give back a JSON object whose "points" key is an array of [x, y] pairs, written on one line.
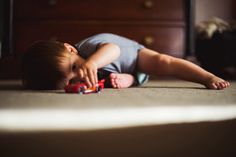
{"points": [[52, 65]]}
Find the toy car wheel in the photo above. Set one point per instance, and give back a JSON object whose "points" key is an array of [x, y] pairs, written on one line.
{"points": [[98, 89], [81, 90]]}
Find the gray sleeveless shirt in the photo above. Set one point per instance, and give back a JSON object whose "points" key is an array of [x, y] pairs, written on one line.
{"points": [[125, 63]]}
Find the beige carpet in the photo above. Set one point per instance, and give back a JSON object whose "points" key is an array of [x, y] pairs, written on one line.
{"points": [[161, 118], [153, 93], [157, 102]]}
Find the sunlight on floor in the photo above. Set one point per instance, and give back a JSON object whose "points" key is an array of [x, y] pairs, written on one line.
{"points": [[39, 120]]}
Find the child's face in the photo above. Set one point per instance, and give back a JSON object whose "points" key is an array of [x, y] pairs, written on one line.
{"points": [[71, 66]]}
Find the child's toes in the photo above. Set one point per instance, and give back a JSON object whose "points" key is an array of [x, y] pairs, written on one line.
{"points": [[224, 84], [118, 86], [113, 76], [227, 83], [214, 86], [113, 84], [220, 85], [217, 83]]}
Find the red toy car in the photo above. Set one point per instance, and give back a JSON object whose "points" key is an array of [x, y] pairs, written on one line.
{"points": [[81, 88]]}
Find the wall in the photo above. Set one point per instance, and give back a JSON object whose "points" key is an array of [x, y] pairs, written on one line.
{"points": [[234, 9], [205, 9], [1, 25]]}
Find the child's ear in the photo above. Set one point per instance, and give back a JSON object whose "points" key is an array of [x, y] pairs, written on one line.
{"points": [[70, 48]]}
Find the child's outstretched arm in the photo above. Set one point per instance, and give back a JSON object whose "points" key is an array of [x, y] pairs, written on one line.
{"points": [[106, 54]]}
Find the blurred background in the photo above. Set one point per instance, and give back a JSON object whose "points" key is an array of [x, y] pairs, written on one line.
{"points": [[198, 30], [162, 118]]}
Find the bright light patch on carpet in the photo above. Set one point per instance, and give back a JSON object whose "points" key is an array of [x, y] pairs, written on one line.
{"points": [[39, 120]]}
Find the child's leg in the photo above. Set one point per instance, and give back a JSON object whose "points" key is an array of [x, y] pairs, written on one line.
{"points": [[121, 80], [154, 63]]}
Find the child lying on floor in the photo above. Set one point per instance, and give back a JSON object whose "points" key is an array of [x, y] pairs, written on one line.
{"points": [[52, 65]]}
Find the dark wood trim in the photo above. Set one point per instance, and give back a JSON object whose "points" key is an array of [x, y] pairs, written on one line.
{"points": [[7, 44], [190, 31]]}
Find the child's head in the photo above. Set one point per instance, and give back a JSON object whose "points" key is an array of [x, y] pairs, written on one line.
{"points": [[43, 65]]}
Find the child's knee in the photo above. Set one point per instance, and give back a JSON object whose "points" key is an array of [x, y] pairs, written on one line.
{"points": [[163, 60]]}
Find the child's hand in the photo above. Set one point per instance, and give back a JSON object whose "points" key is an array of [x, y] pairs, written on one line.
{"points": [[88, 71]]}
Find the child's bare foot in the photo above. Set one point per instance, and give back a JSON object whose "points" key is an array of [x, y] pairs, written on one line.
{"points": [[215, 82], [121, 80]]}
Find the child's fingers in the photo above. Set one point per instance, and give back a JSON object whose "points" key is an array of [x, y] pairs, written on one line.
{"points": [[96, 79], [81, 74], [84, 76], [96, 76], [88, 82], [91, 77]]}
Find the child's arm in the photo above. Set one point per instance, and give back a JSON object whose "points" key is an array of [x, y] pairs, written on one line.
{"points": [[106, 54]]}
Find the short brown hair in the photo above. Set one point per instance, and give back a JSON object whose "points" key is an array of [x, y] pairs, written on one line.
{"points": [[41, 66]]}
